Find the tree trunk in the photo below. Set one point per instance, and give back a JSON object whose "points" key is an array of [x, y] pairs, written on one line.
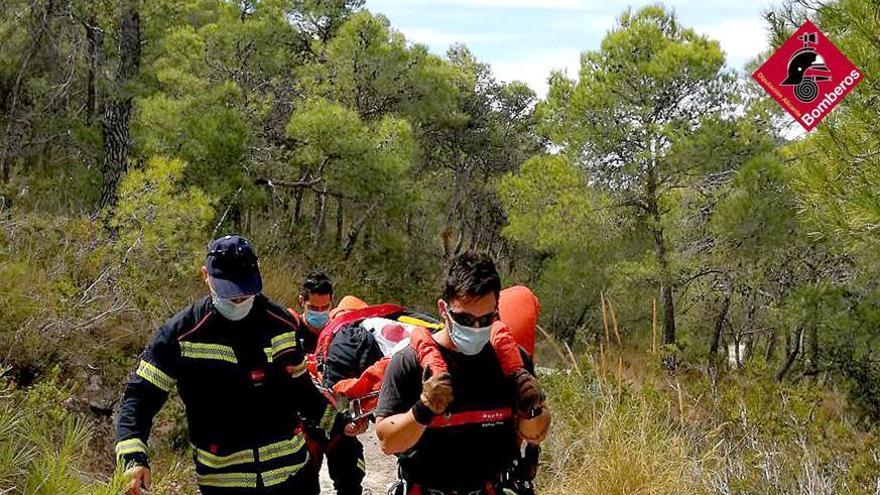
{"points": [[453, 212], [117, 149], [792, 355], [459, 243], [814, 347], [719, 326], [297, 202], [771, 345], [368, 237], [668, 314], [14, 131], [117, 114], [666, 289], [339, 221], [319, 218], [94, 39]]}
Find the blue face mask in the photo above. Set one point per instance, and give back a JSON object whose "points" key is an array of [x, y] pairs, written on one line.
{"points": [[233, 311], [317, 319], [468, 340]]}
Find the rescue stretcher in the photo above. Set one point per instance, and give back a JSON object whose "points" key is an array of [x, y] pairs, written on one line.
{"points": [[394, 328]]}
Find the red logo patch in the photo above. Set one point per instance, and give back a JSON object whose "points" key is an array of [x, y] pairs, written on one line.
{"points": [[213, 448], [808, 76], [258, 375]]}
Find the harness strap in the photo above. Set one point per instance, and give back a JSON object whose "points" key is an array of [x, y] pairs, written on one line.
{"points": [[488, 489], [471, 417]]}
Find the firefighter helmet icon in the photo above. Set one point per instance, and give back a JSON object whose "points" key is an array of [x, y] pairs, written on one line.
{"points": [[806, 67]]}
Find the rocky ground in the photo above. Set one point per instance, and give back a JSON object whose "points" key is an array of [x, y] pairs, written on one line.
{"points": [[381, 468]]}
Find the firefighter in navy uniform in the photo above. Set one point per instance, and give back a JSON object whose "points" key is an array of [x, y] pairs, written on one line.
{"points": [[344, 452], [459, 433], [234, 358]]}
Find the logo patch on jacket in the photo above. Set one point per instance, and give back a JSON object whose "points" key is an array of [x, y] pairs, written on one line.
{"points": [[258, 375]]}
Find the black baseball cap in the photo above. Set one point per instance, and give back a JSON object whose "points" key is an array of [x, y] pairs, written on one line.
{"points": [[232, 267]]}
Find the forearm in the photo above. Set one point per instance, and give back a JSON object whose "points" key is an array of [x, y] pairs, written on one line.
{"points": [[313, 406], [399, 433], [535, 430], [140, 404]]}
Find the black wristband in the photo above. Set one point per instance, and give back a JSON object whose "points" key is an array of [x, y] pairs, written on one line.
{"points": [[422, 413]]}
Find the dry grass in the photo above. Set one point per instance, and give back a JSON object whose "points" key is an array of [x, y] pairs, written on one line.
{"points": [[625, 451], [635, 430], [607, 442]]}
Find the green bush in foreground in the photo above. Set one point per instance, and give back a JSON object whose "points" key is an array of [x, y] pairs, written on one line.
{"points": [[44, 448], [48, 447]]}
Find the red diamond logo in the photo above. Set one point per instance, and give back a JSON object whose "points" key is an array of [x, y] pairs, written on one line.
{"points": [[808, 76]]}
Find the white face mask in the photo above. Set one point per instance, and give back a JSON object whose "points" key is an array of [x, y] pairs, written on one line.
{"points": [[233, 311], [468, 340]]}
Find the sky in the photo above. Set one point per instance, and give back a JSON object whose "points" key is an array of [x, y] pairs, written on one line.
{"points": [[525, 39]]}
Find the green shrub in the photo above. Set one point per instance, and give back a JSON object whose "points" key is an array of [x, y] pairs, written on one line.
{"points": [[44, 448], [160, 240]]}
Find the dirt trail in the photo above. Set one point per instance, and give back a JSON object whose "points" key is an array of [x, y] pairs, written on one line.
{"points": [[381, 468]]}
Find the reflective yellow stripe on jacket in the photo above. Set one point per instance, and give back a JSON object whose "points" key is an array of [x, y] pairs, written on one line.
{"points": [[154, 375], [275, 450], [327, 418], [282, 448], [228, 480], [281, 343], [130, 446], [298, 370], [200, 350], [221, 461], [249, 480], [280, 475]]}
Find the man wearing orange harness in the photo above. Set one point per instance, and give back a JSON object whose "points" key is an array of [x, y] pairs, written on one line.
{"points": [[471, 419]]}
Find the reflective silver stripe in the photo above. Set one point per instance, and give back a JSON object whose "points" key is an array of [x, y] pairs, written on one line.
{"points": [[283, 342], [282, 448], [280, 475], [154, 375], [130, 446], [228, 480], [362, 465], [200, 350], [221, 461]]}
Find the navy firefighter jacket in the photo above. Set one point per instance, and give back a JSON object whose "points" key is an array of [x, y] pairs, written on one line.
{"points": [[244, 385]]}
